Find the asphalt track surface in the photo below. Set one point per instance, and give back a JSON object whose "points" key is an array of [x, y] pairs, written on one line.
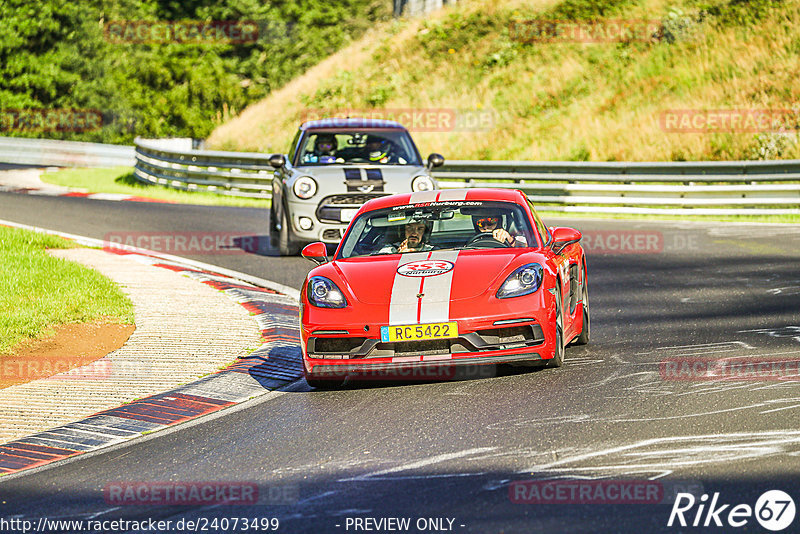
{"points": [[436, 452]]}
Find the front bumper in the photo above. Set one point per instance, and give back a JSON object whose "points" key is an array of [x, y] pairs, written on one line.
{"points": [[490, 331], [326, 213], [482, 341], [321, 231], [337, 356], [433, 369]]}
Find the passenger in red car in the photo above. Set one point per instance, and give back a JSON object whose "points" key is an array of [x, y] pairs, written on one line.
{"points": [[416, 236]]}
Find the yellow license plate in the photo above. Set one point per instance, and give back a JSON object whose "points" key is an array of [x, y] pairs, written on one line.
{"points": [[419, 332]]}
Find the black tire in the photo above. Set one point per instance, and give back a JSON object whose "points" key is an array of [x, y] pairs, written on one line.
{"points": [[583, 338], [273, 228], [286, 246], [558, 358]]}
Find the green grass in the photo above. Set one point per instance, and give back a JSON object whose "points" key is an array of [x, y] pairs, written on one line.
{"points": [[38, 292], [561, 100], [121, 180]]}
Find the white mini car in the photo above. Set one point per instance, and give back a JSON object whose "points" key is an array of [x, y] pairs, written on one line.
{"points": [[333, 167]]}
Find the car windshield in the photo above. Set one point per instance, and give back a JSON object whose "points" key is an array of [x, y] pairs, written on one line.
{"points": [[379, 147], [454, 225]]}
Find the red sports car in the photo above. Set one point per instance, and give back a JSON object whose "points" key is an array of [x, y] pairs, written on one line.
{"points": [[443, 278]]}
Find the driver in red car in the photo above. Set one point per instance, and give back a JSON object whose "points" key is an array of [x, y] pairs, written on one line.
{"points": [[491, 224], [416, 237]]}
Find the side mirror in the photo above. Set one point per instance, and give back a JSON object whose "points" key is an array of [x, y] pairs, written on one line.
{"points": [[316, 252], [435, 160], [277, 160], [563, 237]]}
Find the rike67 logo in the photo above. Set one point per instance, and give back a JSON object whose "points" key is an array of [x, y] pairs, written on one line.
{"points": [[774, 510]]}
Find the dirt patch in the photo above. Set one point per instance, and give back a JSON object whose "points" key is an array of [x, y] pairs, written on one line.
{"points": [[72, 346]]}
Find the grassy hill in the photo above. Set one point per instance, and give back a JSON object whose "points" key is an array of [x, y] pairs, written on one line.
{"points": [[559, 100]]}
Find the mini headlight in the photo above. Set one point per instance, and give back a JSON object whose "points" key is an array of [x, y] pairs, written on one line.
{"points": [[523, 281], [323, 293], [305, 187], [422, 183]]}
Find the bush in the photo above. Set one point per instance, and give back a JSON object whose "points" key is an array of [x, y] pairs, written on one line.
{"points": [[739, 12], [588, 9], [54, 55]]}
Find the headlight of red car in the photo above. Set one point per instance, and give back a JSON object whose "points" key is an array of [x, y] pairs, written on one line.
{"points": [[523, 281], [323, 293]]}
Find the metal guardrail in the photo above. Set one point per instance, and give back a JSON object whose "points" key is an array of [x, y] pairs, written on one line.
{"points": [[671, 188], [413, 8], [48, 152], [245, 174], [674, 188]]}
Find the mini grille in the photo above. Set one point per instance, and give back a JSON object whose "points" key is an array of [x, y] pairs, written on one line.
{"points": [[354, 200]]}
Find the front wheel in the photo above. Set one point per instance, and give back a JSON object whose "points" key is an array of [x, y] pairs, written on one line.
{"points": [[272, 227], [558, 354], [286, 246]]}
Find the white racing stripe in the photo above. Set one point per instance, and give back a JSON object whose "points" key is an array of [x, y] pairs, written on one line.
{"points": [[403, 304], [406, 308], [435, 305], [405, 359], [437, 357], [423, 196], [452, 195]]}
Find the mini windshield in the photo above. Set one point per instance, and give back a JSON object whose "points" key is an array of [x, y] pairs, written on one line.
{"points": [[456, 225], [380, 147]]}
